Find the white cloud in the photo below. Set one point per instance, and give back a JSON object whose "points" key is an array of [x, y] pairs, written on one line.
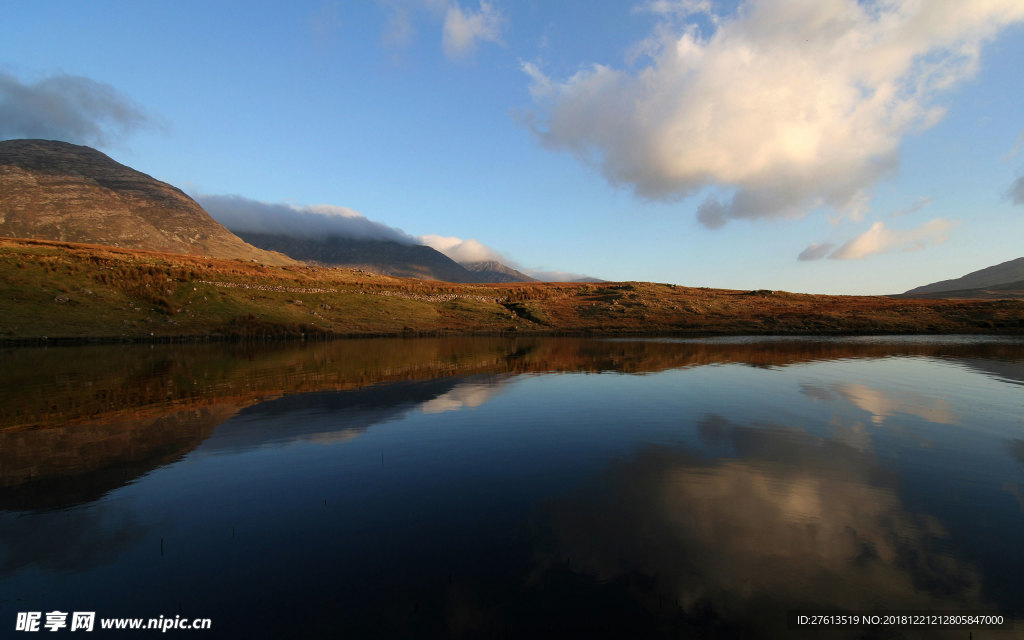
{"points": [[310, 222], [463, 29], [69, 108], [789, 105], [460, 250], [816, 251], [881, 239]]}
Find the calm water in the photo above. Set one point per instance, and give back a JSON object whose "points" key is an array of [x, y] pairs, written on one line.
{"points": [[515, 488]]}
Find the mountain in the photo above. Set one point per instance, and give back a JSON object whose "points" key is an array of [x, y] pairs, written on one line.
{"points": [[384, 256], [494, 271], [994, 292], [379, 256], [60, 191], [1005, 280]]}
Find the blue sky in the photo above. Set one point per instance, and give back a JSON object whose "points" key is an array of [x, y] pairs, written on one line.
{"points": [[684, 141]]}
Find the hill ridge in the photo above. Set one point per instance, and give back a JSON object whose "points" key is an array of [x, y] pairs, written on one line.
{"points": [[494, 271], [1000, 274], [54, 190]]}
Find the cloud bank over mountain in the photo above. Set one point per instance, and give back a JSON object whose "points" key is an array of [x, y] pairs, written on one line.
{"points": [[313, 222], [306, 222], [460, 250], [786, 107], [67, 108], [318, 222]]}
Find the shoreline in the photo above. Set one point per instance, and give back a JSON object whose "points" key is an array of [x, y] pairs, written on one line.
{"points": [[60, 341]]}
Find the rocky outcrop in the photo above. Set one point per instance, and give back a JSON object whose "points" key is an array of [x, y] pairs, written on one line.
{"points": [[54, 190]]}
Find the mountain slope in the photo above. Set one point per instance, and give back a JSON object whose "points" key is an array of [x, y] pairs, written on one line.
{"points": [[994, 292], [494, 271], [60, 191], [379, 256], [988, 278]]}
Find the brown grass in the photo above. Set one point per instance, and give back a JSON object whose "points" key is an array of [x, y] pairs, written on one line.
{"points": [[64, 290]]}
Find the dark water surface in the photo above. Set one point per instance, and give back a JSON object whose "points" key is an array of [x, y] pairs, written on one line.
{"points": [[485, 488]]}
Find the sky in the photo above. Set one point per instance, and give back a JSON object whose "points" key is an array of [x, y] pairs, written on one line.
{"points": [[819, 146]]}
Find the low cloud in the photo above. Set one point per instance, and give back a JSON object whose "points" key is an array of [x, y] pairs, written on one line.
{"points": [[786, 107], [466, 251], [68, 108], [318, 222], [307, 222], [881, 239], [461, 250], [463, 29]]}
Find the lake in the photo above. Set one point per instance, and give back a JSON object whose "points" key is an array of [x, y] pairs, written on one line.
{"points": [[490, 487]]}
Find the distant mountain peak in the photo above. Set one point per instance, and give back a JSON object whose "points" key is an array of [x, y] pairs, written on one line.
{"points": [[494, 271]]}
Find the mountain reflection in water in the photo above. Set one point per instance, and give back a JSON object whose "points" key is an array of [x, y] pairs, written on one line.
{"points": [[516, 488]]}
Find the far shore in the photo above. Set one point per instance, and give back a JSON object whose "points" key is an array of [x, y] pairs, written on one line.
{"points": [[68, 293]]}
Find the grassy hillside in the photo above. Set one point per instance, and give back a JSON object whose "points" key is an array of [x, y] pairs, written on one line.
{"points": [[64, 290]]}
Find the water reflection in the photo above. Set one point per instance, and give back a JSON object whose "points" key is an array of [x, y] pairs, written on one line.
{"points": [[692, 501], [64, 465], [67, 541], [465, 395], [71, 385], [328, 417], [797, 522], [882, 404]]}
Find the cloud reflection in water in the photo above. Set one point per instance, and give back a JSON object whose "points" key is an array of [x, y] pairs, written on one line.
{"points": [[795, 522]]}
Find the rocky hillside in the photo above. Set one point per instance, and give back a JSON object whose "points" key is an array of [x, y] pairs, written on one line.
{"points": [[60, 191]]}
